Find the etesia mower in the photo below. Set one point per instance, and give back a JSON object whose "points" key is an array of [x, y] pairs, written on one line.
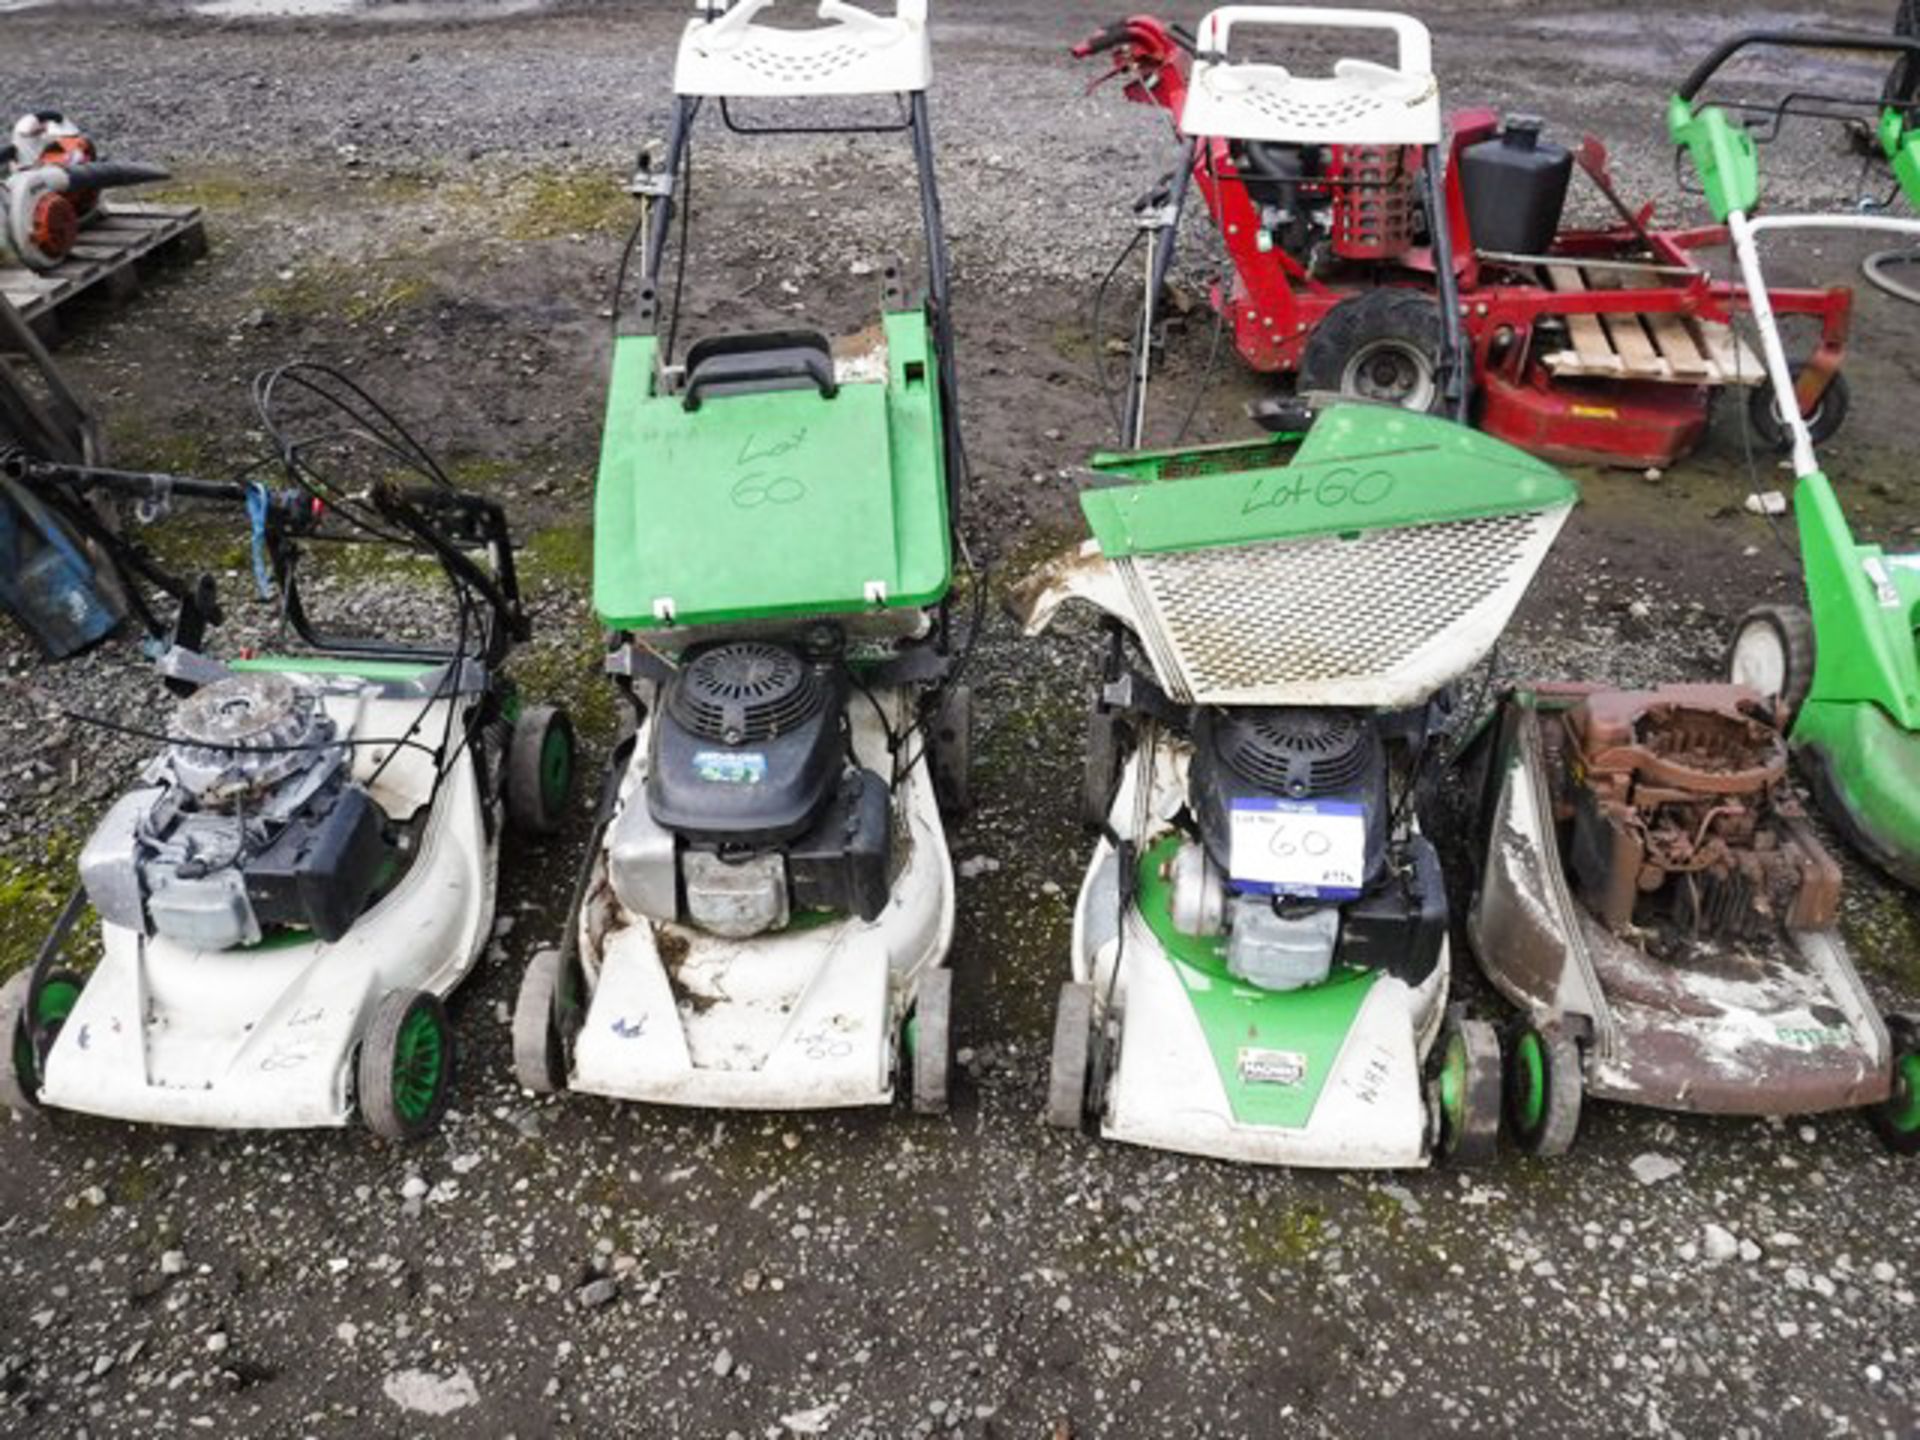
{"points": [[1352, 237], [1652, 896], [1260, 951], [307, 865], [765, 913]]}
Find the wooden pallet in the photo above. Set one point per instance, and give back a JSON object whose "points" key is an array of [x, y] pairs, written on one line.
{"points": [[114, 248], [1677, 349]]}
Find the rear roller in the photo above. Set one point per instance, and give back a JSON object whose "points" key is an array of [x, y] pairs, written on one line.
{"points": [[1543, 1090]]}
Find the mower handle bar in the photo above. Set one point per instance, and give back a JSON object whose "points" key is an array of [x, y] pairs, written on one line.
{"points": [[758, 370], [1794, 40], [740, 14], [1416, 43]]}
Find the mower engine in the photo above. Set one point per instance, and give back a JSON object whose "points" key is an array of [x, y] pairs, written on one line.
{"points": [[1679, 808], [1295, 864], [52, 181], [249, 821], [753, 810], [1358, 201]]}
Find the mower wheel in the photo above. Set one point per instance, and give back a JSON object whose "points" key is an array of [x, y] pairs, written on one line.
{"points": [[932, 1044], [1104, 757], [406, 1065], [20, 1074], [1380, 345], [1543, 1091], [1072, 1057], [950, 750], [539, 1037], [1772, 652], [1823, 424], [1896, 1120], [540, 757], [1466, 1092]]}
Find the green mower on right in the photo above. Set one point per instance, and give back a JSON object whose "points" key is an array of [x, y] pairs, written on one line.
{"points": [[1845, 668]]}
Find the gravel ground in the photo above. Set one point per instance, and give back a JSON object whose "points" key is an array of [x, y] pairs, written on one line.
{"points": [[429, 195]]}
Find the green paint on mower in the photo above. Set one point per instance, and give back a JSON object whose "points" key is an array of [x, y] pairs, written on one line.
{"points": [[1312, 1023]]}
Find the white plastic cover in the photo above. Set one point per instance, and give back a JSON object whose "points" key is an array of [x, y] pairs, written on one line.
{"points": [[1360, 103], [854, 52]]}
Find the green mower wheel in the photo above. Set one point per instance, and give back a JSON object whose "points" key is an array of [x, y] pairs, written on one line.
{"points": [[20, 1077], [1465, 1094], [930, 1040], [540, 769], [1896, 1120], [406, 1065], [1543, 1091]]}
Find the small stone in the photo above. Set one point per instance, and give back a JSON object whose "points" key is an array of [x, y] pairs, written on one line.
{"points": [[723, 1362], [217, 1343], [414, 1188], [1767, 502], [173, 1262], [1653, 474], [94, 1195], [597, 1293], [347, 1331], [1652, 1167], [1718, 1244], [974, 866]]}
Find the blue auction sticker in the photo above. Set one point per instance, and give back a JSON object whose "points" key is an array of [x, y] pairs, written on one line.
{"points": [[1316, 849]]}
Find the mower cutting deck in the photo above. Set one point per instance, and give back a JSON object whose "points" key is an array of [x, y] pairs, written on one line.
{"points": [[1260, 948], [767, 906], [1348, 240], [1651, 895], [307, 867]]}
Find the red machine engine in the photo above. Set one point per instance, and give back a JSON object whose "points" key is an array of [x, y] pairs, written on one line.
{"points": [[1679, 810]]}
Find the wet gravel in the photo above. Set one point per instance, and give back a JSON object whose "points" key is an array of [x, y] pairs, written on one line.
{"points": [[422, 194]]}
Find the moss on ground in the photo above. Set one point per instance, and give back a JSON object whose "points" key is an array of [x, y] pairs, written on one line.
{"points": [[557, 203], [357, 293], [33, 887]]}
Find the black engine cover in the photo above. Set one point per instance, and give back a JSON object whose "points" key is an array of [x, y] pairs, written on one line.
{"points": [[1287, 753], [320, 871], [747, 750]]}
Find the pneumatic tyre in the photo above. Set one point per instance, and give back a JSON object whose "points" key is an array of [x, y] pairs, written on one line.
{"points": [[1381, 346], [1823, 424]]}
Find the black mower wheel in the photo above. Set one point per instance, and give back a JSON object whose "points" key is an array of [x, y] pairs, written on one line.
{"points": [[540, 758], [406, 1063], [539, 1038], [1903, 81], [1896, 1120], [932, 1044], [1072, 1059], [1772, 652], [1105, 753], [950, 751], [1823, 424], [1466, 1092], [1543, 1090], [1381, 345]]}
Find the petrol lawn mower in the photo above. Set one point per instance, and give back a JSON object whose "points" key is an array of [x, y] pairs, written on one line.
{"points": [[1260, 946], [53, 178], [307, 865], [767, 904], [1652, 896], [1602, 345]]}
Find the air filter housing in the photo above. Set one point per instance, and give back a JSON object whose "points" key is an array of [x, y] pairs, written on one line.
{"points": [[748, 750]]}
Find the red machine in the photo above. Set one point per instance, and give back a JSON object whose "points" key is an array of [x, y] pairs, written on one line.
{"points": [[1601, 345], [51, 177]]}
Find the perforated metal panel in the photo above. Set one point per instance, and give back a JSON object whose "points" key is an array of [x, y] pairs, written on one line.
{"points": [[1383, 618], [858, 53]]}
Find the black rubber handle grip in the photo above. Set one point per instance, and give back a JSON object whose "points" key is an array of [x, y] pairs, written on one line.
{"points": [[1794, 40]]}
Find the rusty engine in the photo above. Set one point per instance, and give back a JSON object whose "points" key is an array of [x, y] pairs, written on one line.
{"points": [[1679, 811]]}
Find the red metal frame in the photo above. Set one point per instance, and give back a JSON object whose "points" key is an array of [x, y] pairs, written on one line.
{"points": [[1273, 306]]}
